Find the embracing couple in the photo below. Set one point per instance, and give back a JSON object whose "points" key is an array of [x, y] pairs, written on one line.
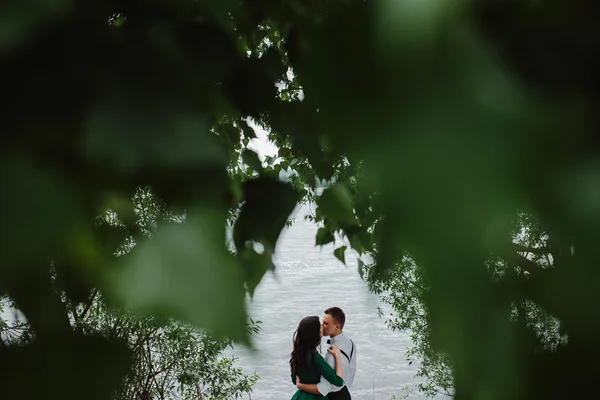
{"points": [[317, 377]]}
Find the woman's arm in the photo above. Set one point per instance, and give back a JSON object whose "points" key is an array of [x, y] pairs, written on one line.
{"points": [[307, 387], [338, 367], [334, 376]]}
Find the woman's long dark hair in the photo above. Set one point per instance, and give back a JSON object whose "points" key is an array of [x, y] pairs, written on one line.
{"points": [[306, 339]]}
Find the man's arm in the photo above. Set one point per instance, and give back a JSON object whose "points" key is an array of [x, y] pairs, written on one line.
{"points": [[324, 387], [352, 369]]}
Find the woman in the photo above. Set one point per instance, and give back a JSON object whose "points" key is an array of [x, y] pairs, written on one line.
{"points": [[306, 362]]}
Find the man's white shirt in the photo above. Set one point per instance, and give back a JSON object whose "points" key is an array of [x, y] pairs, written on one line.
{"points": [[348, 367]]}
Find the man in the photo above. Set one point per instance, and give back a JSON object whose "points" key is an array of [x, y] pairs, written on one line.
{"points": [[333, 325]]}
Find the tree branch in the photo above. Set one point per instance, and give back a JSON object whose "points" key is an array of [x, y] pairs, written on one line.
{"points": [[150, 364], [41, 304], [534, 250], [165, 368], [113, 331], [164, 382], [521, 261], [89, 305], [75, 315]]}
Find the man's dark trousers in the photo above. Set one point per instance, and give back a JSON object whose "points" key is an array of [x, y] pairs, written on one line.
{"points": [[342, 394]]}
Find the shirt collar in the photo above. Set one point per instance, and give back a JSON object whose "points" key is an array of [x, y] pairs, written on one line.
{"points": [[336, 339]]}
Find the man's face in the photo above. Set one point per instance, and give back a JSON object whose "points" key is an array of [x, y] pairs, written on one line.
{"points": [[330, 325]]}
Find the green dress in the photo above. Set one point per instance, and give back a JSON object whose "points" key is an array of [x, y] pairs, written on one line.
{"points": [[312, 374]]}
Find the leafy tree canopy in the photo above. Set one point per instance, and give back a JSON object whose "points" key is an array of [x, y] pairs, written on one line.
{"points": [[437, 121]]}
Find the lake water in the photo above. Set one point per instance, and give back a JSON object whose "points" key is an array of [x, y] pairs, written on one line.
{"points": [[307, 280]]}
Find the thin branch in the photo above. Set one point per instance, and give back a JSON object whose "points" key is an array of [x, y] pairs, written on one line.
{"points": [[534, 250], [530, 266], [164, 369], [46, 313], [198, 390], [76, 316], [548, 260], [157, 386], [113, 330], [164, 381], [150, 376], [523, 262], [89, 305]]}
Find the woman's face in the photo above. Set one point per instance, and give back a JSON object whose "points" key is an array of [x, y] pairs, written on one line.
{"points": [[321, 330]]}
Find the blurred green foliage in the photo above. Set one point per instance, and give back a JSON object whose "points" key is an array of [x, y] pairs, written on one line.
{"points": [[403, 289], [435, 122], [167, 358]]}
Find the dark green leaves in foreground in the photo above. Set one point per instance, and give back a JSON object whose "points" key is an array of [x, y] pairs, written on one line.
{"points": [[267, 207], [39, 214], [19, 20], [69, 367], [335, 202], [455, 111], [251, 159], [340, 253], [135, 130], [185, 272], [324, 236]]}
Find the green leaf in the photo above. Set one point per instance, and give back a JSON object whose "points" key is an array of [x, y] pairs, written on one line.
{"points": [[256, 266], [319, 214], [220, 10], [119, 132], [184, 271], [361, 269], [361, 241], [271, 62], [40, 214], [247, 129], [19, 20], [97, 365], [284, 152], [388, 253], [268, 204], [251, 159], [340, 253], [76, 285], [230, 134], [324, 236], [336, 204]]}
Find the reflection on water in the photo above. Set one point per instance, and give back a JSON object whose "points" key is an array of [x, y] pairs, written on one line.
{"points": [[307, 281]]}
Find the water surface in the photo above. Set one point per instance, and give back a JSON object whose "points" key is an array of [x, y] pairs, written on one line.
{"points": [[307, 280]]}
